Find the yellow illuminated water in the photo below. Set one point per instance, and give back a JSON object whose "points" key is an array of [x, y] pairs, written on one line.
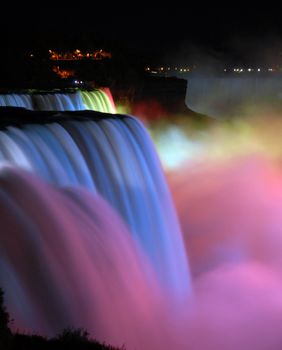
{"points": [[179, 141]]}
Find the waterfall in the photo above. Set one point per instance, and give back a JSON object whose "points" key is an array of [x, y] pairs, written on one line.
{"points": [[84, 193], [16, 100], [96, 100], [59, 102], [67, 259]]}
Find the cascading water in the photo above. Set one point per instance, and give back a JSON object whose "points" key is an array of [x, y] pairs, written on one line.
{"points": [[75, 251], [96, 100], [16, 100], [59, 102], [68, 260]]}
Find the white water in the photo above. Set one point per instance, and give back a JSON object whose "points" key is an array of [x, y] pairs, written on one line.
{"points": [[97, 100], [58, 102], [16, 100]]}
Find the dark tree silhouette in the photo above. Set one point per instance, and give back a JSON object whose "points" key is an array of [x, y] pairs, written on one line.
{"points": [[69, 339], [5, 333]]}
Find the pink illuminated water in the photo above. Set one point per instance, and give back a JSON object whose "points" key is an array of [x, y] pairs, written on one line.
{"points": [[70, 257], [231, 218]]}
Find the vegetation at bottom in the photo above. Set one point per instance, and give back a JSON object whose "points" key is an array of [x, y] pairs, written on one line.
{"points": [[68, 339]]}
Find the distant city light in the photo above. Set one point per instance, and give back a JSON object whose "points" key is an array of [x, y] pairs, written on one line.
{"points": [[79, 55], [167, 71], [63, 73]]}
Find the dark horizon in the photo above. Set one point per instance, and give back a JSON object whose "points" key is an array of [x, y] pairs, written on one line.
{"points": [[148, 31]]}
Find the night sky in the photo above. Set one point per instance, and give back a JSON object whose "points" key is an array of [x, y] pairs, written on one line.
{"points": [[170, 31]]}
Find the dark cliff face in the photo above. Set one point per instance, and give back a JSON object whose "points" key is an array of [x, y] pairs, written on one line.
{"points": [[169, 92]]}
